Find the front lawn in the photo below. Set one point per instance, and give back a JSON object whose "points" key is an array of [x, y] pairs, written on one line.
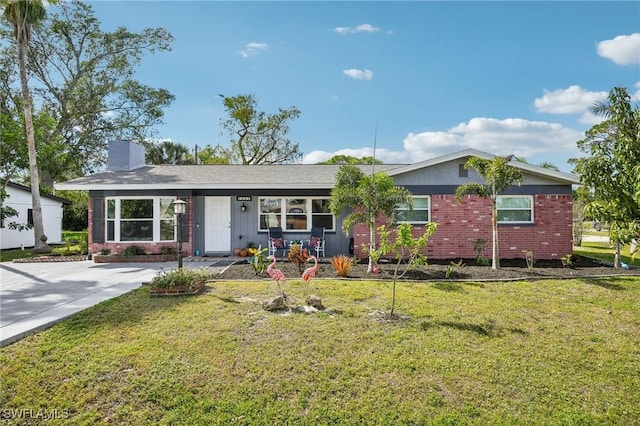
{"points": [[544, 352], [605, 252]]}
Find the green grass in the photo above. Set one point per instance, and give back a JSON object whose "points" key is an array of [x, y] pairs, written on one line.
{"points": [[72, 246], [73, 236], [545, 352], [605, 252], [9, 255]]}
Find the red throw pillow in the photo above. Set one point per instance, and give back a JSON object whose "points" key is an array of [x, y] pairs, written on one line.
{"points": [[277, 242], [315, 241]]}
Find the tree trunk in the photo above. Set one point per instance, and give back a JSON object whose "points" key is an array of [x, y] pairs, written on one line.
{"points": [[372, 242], [495, 252], [616, 259], [40, 239]]}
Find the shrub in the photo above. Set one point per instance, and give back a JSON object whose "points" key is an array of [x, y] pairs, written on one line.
{"points": [[342, 265], [451, 267], [529, 258], [168, 250], [567, 260], [479, 246], [178, 278], [133, 250], [105, 252], [298, 256], [84, 242], [258, 260]]}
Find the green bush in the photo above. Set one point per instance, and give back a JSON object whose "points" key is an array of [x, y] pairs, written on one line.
{"points": [[178, 278], [258, 261], [168, 250], [133, 250]]}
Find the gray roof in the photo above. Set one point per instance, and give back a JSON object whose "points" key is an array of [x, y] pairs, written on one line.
{"points": [[232, 176], [28, 189], [272, 176]]}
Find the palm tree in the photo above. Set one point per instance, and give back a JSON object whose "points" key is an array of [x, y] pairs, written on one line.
{"points": [[498, 176], [23, 15], [168, 152], [370, 197]]}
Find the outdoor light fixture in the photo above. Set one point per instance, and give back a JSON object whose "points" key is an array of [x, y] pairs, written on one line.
{"points": [[179, 208], [243, 208]]}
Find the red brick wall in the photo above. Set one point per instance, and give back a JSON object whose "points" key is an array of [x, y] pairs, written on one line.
{"points": [[460, 225], [150, 247]]}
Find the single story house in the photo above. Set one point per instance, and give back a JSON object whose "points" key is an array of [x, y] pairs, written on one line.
{"points": [[229, 206], [19, 198]]}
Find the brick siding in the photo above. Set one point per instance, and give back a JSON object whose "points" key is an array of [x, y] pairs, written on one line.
{"points": [[460, 225], [150, 246]]}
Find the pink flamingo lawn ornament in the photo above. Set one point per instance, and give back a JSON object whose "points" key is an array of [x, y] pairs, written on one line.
{"points": [[276, 274], [310, 272]]}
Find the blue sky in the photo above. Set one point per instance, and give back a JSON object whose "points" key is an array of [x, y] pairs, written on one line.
{"points": [[421, 78]]}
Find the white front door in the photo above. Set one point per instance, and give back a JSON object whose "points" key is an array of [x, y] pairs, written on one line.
{"points": [[217, 224]]}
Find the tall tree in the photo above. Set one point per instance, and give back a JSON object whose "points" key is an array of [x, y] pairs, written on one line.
{"points": [[85, 80], [258, 137], [23, 15], [498, 176], [370, 197], [167, 152], [212, 155], [348, 159], [611, 171]]}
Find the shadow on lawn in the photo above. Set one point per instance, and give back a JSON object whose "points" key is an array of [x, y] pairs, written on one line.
{"points": [[489, 329], [453, 287], [604, 283]]}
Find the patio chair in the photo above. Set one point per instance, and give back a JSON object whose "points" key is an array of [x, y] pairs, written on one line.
{"points": [[316, 242], [276, 241]]}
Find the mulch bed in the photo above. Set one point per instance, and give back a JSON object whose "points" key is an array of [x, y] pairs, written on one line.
{"points": [[510, 269]]}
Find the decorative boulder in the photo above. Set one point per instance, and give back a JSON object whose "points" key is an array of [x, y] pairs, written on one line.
{"points": [[277, 304], [315, 302]]}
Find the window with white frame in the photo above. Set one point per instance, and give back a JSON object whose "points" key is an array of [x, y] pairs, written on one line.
{"points": [[140, 219], [295, 214], [420, 214], [515, 208]]}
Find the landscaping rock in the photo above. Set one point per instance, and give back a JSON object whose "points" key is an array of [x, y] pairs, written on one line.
{"points": [[277, 304], [315, 302]]}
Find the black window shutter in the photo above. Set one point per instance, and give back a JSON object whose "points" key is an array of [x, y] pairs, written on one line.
{"points": [[97, 225]]}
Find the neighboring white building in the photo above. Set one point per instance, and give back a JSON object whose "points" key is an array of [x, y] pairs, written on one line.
{"points": [[19, 198]]}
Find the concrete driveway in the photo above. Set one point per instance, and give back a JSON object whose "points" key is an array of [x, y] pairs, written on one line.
{"points": [[34, 296]]}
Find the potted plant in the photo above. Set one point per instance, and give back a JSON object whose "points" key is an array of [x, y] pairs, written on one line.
{"points": [[178, 282]]}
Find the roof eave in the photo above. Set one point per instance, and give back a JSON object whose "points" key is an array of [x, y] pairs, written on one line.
{"points": [[136, 187]]}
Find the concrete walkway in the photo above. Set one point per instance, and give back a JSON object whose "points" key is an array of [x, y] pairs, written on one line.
{"points": [[34, 296]]}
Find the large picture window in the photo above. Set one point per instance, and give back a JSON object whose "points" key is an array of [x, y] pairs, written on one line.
{"points": [[295, 214], [140, 219], [420, 213], [515, 208]]}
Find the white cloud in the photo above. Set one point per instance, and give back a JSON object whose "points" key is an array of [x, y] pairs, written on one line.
{"points": [[572, 100], [517, 136], [623, 49], [358, 74], [387, 156], [636, 96], [253, 48], [362, 28]]}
